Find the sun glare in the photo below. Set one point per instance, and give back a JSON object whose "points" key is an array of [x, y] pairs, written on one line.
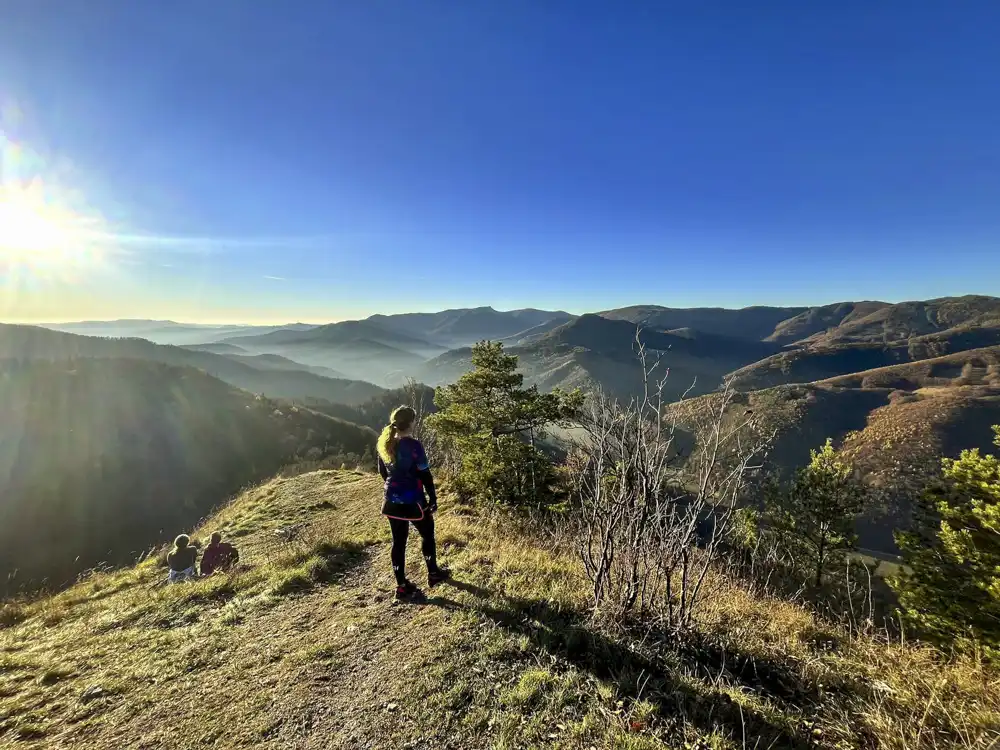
{"points": [[54, 245], [29, 230], [41, 239], [37, 234]]}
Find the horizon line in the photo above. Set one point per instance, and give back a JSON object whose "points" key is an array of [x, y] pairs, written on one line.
{"points": [[275, 322]]}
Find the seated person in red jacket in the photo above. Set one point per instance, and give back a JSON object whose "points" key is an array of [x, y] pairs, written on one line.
{"points": [[218, 555]]}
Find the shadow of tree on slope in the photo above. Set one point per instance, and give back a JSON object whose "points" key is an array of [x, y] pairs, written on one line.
{"points": [[657, 674]]}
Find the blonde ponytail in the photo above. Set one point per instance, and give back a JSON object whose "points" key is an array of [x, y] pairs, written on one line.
{"points": [[387, 443], [401, 418]]}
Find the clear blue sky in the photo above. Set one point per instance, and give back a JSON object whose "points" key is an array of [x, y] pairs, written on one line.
{"points": [[376, 155]]}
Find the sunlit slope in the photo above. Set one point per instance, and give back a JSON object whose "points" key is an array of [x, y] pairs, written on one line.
{"points": [[304, 649]]}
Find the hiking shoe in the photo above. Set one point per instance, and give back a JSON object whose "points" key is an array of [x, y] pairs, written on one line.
{"points": [[408, 593], [434, 577]]}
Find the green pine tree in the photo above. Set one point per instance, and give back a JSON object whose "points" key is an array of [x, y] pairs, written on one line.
{"points": [[816, 515], [952, 590], [494, 423]]}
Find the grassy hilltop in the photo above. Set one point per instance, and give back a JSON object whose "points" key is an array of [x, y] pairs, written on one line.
{"points": [[304, 649]]}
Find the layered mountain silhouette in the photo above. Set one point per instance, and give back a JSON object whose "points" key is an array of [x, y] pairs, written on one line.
{"points": [[454, 329], [167, 331], [386, 349], [359, 348], [30, 343], [759, 347], [593, 351]]}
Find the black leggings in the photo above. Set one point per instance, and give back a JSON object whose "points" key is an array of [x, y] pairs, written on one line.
{"points": [[400, 532]]}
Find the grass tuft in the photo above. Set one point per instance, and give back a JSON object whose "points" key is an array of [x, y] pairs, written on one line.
{"points": [[529, 688]]}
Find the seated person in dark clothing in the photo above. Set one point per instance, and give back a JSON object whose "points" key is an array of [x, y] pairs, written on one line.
{"points": [[181, 560], [219, 555]]}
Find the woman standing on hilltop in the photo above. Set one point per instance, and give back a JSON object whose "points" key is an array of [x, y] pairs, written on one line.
{"points": [[403, 465]]}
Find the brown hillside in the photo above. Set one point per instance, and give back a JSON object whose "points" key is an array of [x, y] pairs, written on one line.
{"points": [[821, 362], [819, 319], [900, 322], [974, 367], [894, 423]]}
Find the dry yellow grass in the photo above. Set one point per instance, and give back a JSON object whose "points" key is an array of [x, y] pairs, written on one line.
{"points": [[304, 649]]}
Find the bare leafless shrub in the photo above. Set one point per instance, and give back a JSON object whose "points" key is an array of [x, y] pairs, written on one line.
{"points": [[433, 447], [654, 521]]}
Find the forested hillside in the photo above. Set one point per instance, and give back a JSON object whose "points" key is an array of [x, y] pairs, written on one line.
{"points": [[761, 347], [754, 323], [102, 458]]}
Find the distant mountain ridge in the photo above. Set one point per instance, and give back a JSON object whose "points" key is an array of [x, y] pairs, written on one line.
{"points": [[33, 343], [874, 334], [761, 346], [359, 349], [593, 351], [386, 349], [895, 323], [463, 327], [756, 323], [819, 319], [336, 333], [167, 331]]}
